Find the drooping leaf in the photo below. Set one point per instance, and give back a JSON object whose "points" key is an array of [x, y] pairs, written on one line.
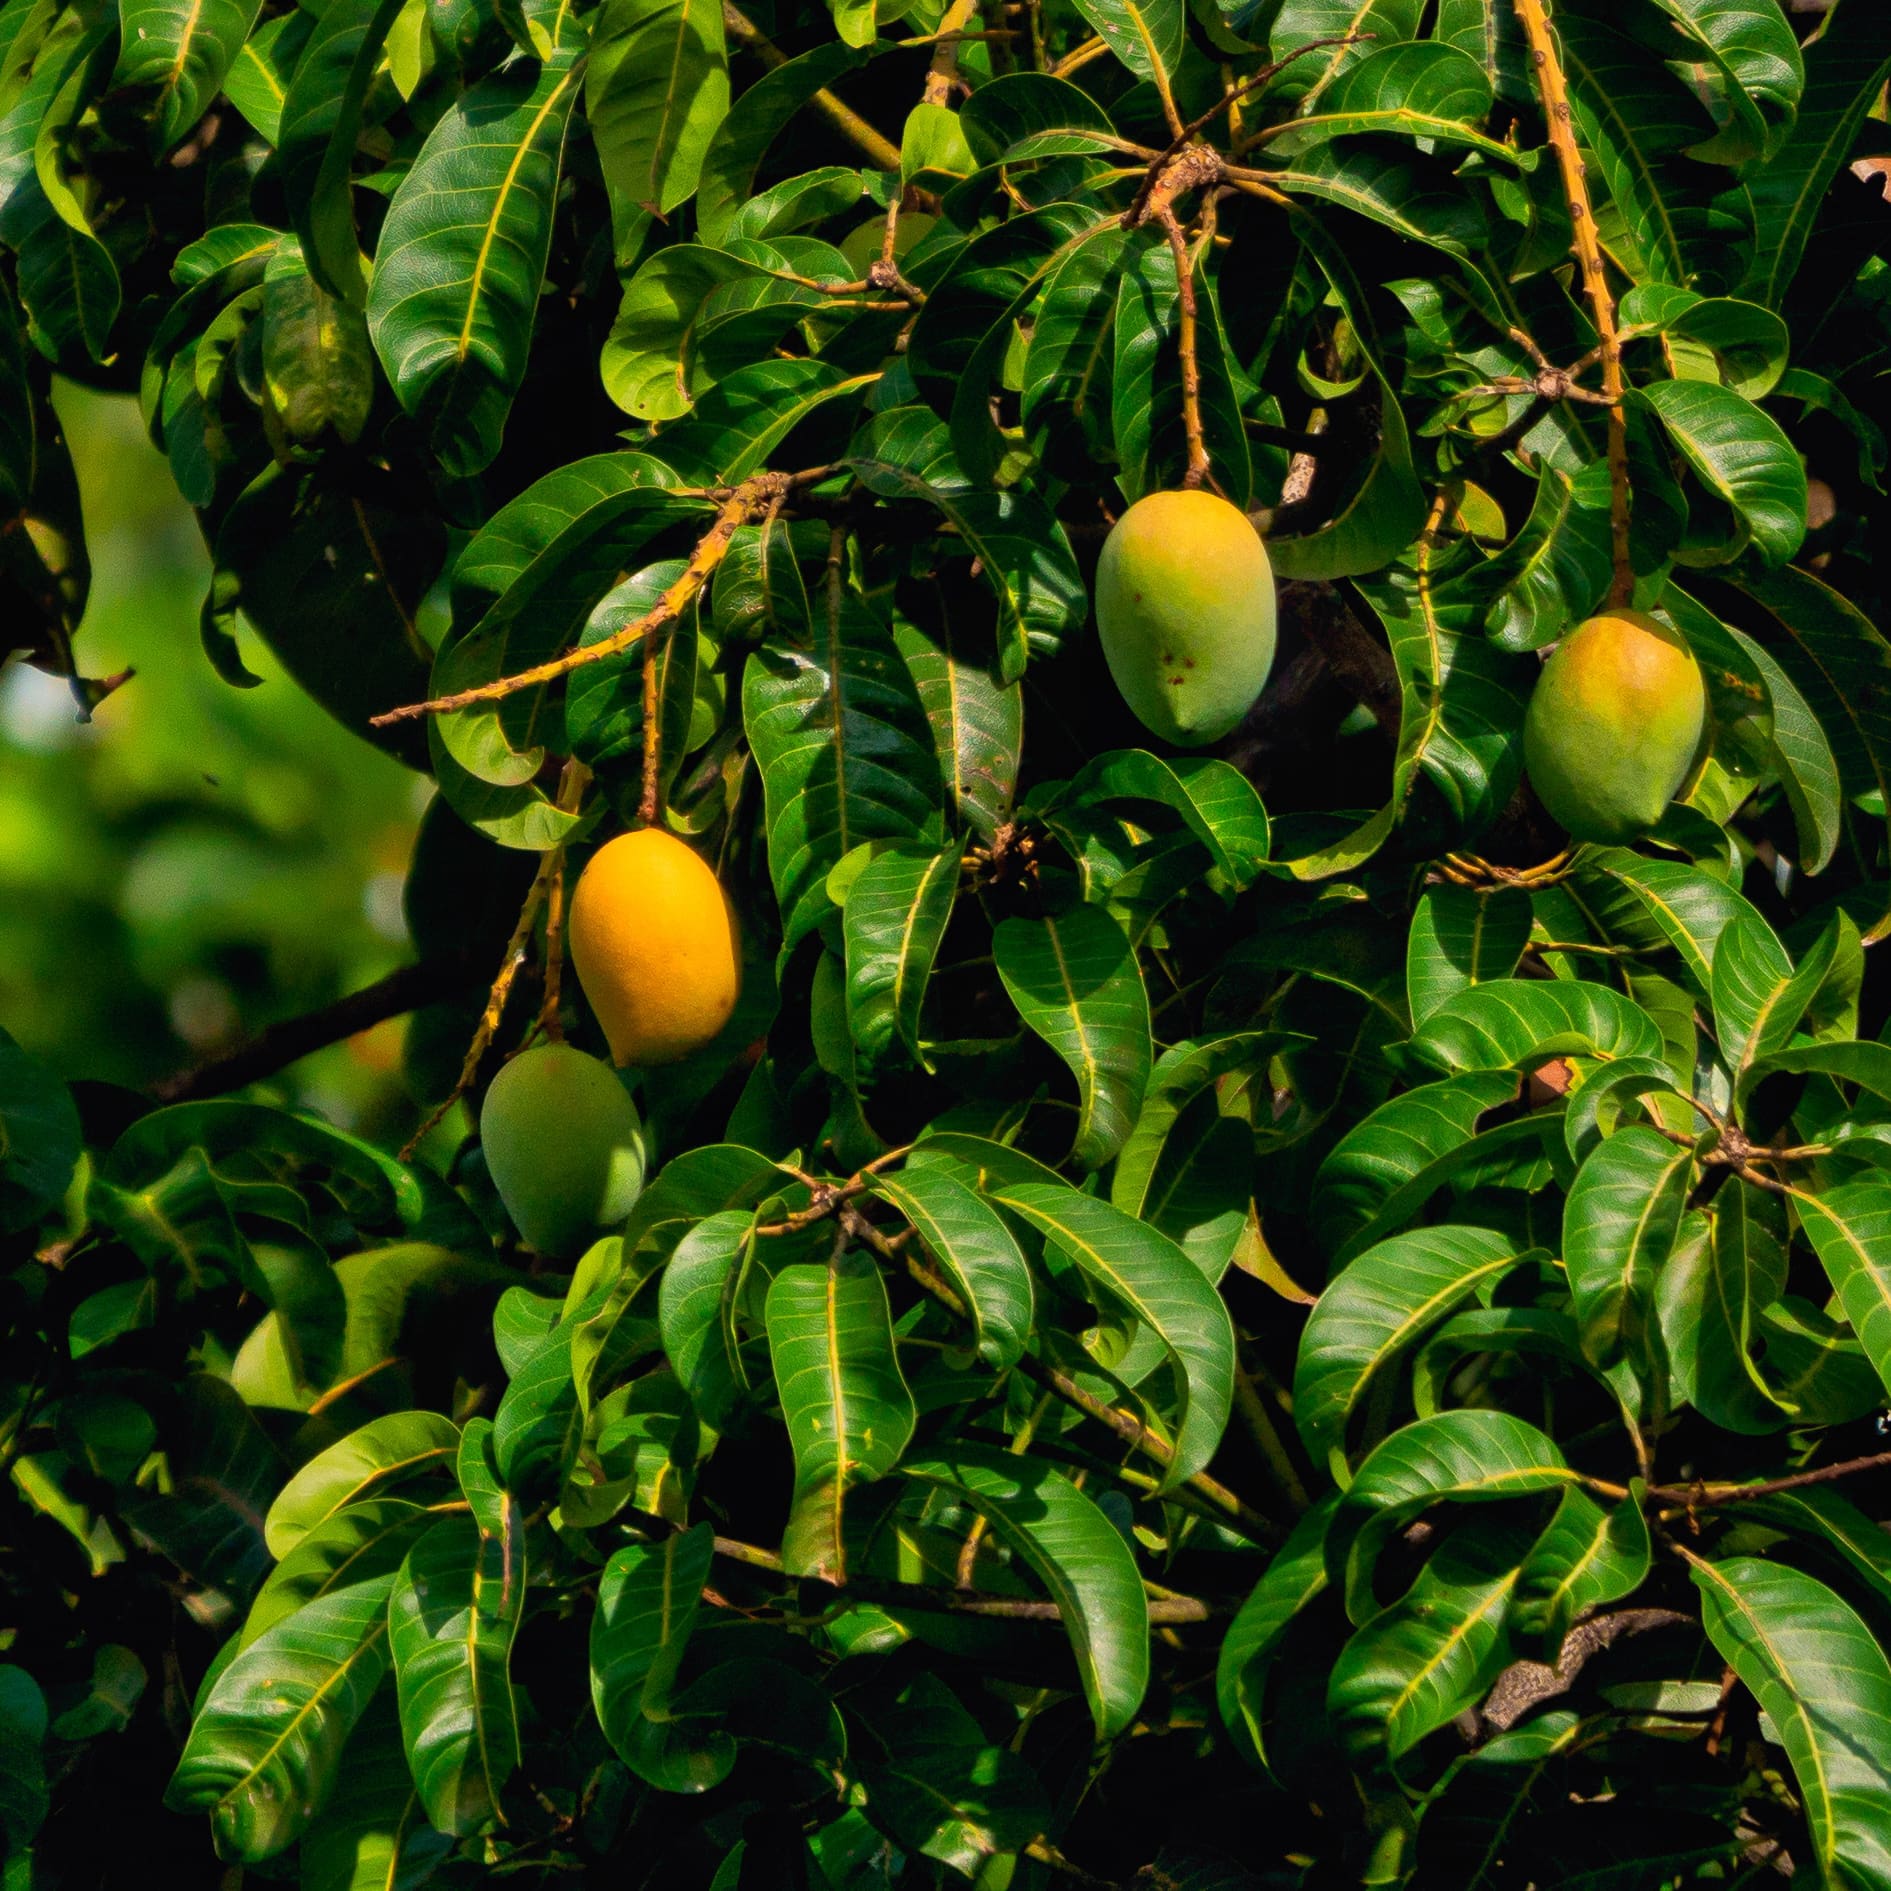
{"points": [[847, 1407]]}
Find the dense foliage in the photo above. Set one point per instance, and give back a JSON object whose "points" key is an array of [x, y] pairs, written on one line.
{"points": [[1223, 1317]]}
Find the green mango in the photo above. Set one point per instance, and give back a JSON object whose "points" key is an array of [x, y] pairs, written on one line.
{"points": [[1614, 725], [564, 1146], [1185, 611]]}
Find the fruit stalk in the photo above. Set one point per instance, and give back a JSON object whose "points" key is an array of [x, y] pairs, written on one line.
{"points": [[1186, 348], [1554, 93]]}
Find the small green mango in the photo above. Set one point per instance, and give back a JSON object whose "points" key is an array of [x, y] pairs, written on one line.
{"points": [[1185, 611], [564, 1147], [1613, 726]]}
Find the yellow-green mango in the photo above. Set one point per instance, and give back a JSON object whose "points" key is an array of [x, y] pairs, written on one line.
{"points": [[1613, 726], [564, 1147], [1185, 611]]}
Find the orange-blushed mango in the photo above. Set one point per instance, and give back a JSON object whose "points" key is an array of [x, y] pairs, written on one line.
{"points": [[564, 1147], [1613, 725], [1185, 611], [654, 941]]}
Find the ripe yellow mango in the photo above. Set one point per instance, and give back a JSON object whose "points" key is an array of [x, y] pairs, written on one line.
{"points": [[1185, 611], [654, 941], [1613, 725], [564, 1147]]}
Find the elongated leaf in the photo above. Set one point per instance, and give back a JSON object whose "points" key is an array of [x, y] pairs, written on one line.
{"points": [[1462, 938], [656, 88], [1295, 1578], [977, 722], [845, 751], [1845, 70], [1850, 1230], [1511, 1022], [1825, 1684], [696, 1312], [648, 1597], [1742, 456], [1713, 1295], [452, 1616], [319, 124], [1619, 1226], [1378, 1306], [1073, 1549], [1433, 1652], [1587, 1556], [1150, 1277], [1803, 755], [971, 1243], [180, 50], [374, 1835], [1381, 1158], [383, 1455], [847, 1408], [461, 255], [895, 916], [1462, 1457], [1076, 983], [265, 1747], [360, 1544]]}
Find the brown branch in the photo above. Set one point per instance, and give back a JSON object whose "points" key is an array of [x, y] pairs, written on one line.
{"points": [[1704, 1496], [1588, 248], [742, 505], [943, 73], [284, 1043], [840, 115]]}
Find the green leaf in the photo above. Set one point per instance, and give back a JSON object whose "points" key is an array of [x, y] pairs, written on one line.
{"points": [[1152, 1279], [697, 1314], [265, 1747], [1823, 1681], [1743, 457], [1845, 70], [648, 1599], [180, 50], [943, 1789], [1587, 1556], [40, 1142], [319, 125], [1714, 1293], [1459, 1457], [23, 1799], [1076, 983], [1760, 998], [739, 143], [847, 1408], [1378, 23], [458, 266], [1377, 1307], [977, 721], [656, 88], [379, 1458], [1078, 1555], [1460, 938], [1619, 1226], [1146, 35], [1218, 804], [1850, 1231], [452, 1616], [363, 1543], [1373, 1175], [974, 1249], [1513, 1022], [1295, 1578], [257, 83], [845, 751], [374, 1835], [894, 918], [1433, 1652], [1803, 757], [1420, 89]]}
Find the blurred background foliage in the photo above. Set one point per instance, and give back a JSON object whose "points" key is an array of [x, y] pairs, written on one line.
{"points": [[198, 860]]}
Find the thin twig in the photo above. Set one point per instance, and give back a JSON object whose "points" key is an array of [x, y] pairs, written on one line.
{"points": [[1588, 247], [282, 1044], [837, 112], [943, 73], [1703, 1496], [747, 502]]}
